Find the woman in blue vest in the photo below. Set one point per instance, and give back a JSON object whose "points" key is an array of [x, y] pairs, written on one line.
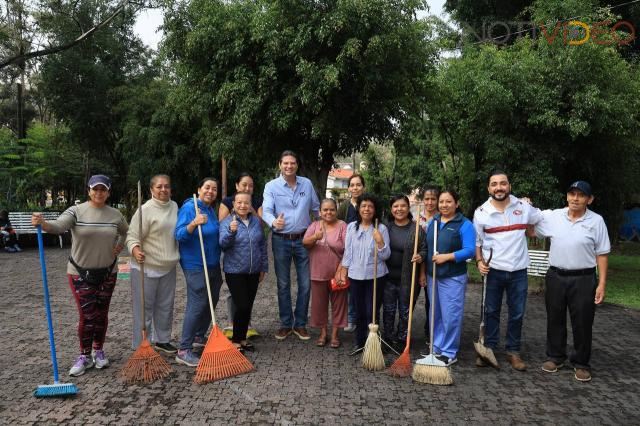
{"points": [[456, 244]]}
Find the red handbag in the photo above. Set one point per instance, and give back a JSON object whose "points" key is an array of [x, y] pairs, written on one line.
{"points": [[335, 286]]}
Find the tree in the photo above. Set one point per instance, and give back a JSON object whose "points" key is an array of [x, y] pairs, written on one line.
{"points": [[324, 78]]}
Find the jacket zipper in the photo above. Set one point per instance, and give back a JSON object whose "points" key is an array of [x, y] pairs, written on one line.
{"points": [[250, 248]]}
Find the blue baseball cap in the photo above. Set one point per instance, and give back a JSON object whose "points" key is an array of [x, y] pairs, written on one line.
{"points": [[581, 185], [96, 180]]}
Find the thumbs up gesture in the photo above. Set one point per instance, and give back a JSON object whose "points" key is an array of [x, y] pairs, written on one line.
{"points": [[279, 222], [233, 226]]}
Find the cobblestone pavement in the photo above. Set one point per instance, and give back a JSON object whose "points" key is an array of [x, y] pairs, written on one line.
{"points": [[296, 382]]}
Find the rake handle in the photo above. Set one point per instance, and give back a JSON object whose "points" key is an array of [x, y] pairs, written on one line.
{"points": [[47, 304], [144, 316], [204, 263], [413, 277]]}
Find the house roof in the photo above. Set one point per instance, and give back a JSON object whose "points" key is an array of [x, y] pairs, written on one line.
{"points": [[341, 173]]}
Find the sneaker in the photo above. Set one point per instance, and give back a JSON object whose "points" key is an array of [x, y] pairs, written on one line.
{"points": [[9, 249], [252, 332], [302, 333], [83, 363], [582, 374], [187, 357], [166, 347], [283, 333], [447, 361], [199, 342], [99, 359], [551, 367], [17, 248], [350, 328], [516, 362]]}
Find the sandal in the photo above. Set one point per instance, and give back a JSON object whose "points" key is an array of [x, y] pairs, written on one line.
{"points": [[321, 341], [248, 347], [335, 344]]}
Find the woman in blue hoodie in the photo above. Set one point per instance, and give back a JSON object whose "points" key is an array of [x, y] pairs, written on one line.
{"points": [[456, 243], [197, 316], [245, 262]]}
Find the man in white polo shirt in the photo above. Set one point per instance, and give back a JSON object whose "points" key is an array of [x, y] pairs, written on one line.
{"points": [[579, 243], [501, 223]]}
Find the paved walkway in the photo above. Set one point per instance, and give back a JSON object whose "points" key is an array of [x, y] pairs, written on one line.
{"points": [[296, 382]]}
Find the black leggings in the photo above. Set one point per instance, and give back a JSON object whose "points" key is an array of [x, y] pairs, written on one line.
{"points": [[243, 288]]}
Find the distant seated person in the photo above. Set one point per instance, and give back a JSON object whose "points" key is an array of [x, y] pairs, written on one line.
{"points": [[9, 236]]}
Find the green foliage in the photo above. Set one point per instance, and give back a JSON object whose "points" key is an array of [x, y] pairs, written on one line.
{"points": [[323, 78]]}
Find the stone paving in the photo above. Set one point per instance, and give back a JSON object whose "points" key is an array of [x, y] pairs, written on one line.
{"points": [[296, 382]]}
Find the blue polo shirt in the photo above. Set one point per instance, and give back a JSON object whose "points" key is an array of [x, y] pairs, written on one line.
{"points": [[296, 204]]}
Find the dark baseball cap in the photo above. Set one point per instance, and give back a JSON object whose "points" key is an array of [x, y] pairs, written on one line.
{"points": [[96, 180], [581, 185]]}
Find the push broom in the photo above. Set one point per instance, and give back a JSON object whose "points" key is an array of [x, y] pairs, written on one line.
{"points": [[145, 365], [220, 358], [57, 388], [483, 351], [402, 367], [430, 369], [372, 357]]}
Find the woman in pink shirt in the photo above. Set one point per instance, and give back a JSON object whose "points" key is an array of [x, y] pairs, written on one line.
{"points": [[325, 241]]}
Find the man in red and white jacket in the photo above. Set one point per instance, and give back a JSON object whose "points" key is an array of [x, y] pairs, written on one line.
{"points": [[501, 223]]}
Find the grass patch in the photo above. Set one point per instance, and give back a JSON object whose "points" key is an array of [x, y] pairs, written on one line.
{"points": [[623, 281], [623, 287]]}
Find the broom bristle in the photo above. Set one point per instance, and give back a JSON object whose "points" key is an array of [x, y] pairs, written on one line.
{"points": [[402, 367], [145, 365], [486, 354], [57, 389], [432, 374], [220, 359], [372, 357]]}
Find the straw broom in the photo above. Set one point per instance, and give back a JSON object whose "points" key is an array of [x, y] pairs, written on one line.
{"points": [[402, 367], [145, 365], [220, 358], [430, 369], [372, 357]]}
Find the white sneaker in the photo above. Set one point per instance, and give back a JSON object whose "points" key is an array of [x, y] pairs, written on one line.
{"points": [[99, 359], [82, 364], [350, 328]]}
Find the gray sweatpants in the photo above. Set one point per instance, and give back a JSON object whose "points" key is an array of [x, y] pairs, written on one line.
{"points": [[159, 294]]}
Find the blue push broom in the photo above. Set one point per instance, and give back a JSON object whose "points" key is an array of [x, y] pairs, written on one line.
{"points": [[57, 388]]}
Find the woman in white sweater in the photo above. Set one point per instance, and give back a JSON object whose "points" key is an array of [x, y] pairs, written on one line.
{"points": [[160, 256]]}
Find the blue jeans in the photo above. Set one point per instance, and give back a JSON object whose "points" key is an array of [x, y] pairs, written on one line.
{"points": [[197, 315], [516, 285], [283, 252], [351, 315]]}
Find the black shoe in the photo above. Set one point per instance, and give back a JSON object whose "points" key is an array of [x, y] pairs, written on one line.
{"points": [[248, 347], [166, 347], [356, 349]]}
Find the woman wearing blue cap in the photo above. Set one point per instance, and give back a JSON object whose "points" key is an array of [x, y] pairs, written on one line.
{"points": [[98, 232]]}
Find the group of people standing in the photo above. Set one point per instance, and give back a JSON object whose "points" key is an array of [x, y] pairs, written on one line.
{"points": [[336, 259]]}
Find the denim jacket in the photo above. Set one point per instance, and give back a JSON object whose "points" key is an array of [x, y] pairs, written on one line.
{"points": [[245, 251]]}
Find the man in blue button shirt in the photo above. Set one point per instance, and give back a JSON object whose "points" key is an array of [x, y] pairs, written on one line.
{"points": [[287, 203]]}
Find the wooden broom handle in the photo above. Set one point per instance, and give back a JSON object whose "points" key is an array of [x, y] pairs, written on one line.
{"points": [[375, 273], [413, 275], [433, 285], [204, 263]]}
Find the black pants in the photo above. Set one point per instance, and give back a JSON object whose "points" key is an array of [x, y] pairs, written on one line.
{"points": [[576, 293], [363, 298], [243, 288]]}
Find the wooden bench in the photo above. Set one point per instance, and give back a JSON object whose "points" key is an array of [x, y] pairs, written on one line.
{"points": [[539, 263], [21, 222]]}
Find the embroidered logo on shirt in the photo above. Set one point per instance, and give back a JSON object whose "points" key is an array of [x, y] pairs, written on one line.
{"points": [[517, 212]]}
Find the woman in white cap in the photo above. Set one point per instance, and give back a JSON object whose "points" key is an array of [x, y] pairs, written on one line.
{"points": [[98, 233]]}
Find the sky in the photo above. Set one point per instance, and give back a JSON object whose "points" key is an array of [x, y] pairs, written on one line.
{"points": [[149, 20]]}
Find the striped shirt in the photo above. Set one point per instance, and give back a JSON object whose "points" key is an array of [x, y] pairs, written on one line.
{"points": [[94, 231], [505, 233]]}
